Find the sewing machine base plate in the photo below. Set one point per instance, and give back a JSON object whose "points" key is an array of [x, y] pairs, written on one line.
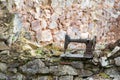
{"points": [[69, 55]]}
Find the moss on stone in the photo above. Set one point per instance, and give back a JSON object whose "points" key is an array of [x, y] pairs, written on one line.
{"points": [[103, 75]]}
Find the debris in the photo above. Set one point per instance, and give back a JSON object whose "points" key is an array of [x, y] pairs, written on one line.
{"points": [[115, 50], [103, 61]]}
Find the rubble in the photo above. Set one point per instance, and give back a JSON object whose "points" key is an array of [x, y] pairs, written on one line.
{"points": [[115, 50], [103, 61], [43, 78]]}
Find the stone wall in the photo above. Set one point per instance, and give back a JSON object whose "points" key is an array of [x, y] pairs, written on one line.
{"points": [[46, 64], [19, 66], [47, 21]]}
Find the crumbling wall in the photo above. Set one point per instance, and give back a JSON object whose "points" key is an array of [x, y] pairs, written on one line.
{"points": [[47, 21], [35, 63]]}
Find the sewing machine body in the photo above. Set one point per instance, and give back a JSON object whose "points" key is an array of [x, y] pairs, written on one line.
{"points": [[90, 45]]}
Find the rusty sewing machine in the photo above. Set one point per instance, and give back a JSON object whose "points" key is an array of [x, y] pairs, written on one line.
{"points": [[90, 45]]}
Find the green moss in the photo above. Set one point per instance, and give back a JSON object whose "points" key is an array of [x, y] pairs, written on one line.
{"points": [[39, 51], [53, 47], [103, 75]]}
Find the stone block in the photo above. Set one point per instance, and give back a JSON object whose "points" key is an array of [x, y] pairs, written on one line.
{"points": [[46, 35], [43, 78], [54, 70], [3, 76], [59, 36], [66, 78], [3, 67], [67, 70], [43, 23], [35, 25], [53, 25], [117, 61], [33, 67]]}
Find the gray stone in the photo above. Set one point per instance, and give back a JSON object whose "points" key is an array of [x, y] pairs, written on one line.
{"points": [[67, 70], [27, 35], [53, 25], [77, 65], [118, 68], [5, 52], [78, 78], [63, 70], [117, 61], [3, 46], [115, 50], [55, 78], [43, 24], [46, 35], [17, 27], [43, 78], [3, 67], [85, 73], [26, 26], [66, 78], [38, 13], [117, 77], [18, 76], [70, 55], [96, 55], [103, 61], [3, 76], [54, 17], [44, 70], [84, 35], [19, 4], [95, 69], [69, 3], [33, 67], [113, 73], [54, 3], [13, 70], [54, 70], [60, 35], [3, 37], [35, 25]]}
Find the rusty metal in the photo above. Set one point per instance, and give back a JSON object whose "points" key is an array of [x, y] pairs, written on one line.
{"points": [[90, 45]]}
